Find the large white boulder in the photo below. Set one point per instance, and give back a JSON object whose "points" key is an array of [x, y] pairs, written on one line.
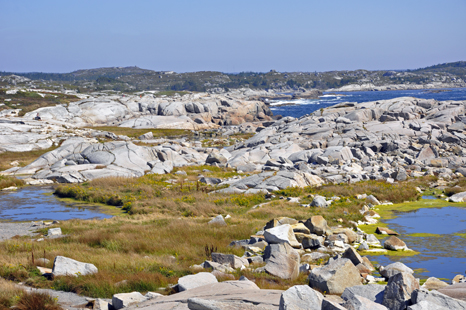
{"points": [[64, 266]]}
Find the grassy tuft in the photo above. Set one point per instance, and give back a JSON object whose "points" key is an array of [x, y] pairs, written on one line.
{"points": [[10, 293], [36, 300]]}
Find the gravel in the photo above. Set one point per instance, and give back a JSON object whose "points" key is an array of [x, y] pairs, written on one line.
{"points": [[9, 230]]}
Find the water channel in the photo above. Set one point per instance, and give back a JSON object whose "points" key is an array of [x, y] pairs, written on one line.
{"points": [[34, 203], [439, 234]]}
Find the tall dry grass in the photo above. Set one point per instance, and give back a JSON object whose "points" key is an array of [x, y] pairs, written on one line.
{"points": [[23, 158], [10, 293], [36, 301]]}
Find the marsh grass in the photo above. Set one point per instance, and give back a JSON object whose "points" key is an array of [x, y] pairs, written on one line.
{"points": [[8, 181], [30, 101], [37, 300], [457, 186], [10, 293], [169, 195], [166, 230]]}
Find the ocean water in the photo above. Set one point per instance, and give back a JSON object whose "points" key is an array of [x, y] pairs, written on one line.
{"points": [[305, 106]]}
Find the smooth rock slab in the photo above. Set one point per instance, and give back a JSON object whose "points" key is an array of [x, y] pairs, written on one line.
{"points": [[301, 297], [123, 300], [192, 281], [437, 298], [457, 290], [246, 292], [426, 305], [64, 266], [205, 304]]}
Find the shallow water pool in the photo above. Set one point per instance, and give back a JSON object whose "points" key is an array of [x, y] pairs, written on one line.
{"points": [[442, 250], [37, 203]]}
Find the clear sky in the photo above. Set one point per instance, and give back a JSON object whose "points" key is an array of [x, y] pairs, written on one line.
{"points": [[230, 36]]}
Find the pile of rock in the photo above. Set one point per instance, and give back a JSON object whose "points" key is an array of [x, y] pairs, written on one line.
{"points": [[389, 140], [287, 247]]}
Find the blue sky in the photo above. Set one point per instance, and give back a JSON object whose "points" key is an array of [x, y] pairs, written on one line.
{"points": [[230, 36]]}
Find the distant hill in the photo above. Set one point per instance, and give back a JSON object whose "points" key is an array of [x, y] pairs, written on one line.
{"points": [[131, 79]]}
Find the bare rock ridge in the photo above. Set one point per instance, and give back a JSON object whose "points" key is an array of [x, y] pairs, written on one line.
{"points": [[389, 139], [191, 111]]}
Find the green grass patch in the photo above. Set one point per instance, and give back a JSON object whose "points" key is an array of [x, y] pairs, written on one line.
{"points": [[423, 235], [390, 253]]}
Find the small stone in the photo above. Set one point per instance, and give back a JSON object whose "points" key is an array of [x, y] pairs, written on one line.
{"points": [[218, 220], [54, 232]]}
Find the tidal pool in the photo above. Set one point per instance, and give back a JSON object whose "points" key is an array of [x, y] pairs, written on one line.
{"points": [[434, 233], [37, 203]]}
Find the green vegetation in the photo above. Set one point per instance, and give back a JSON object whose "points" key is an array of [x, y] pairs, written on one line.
{"points": [[131, 79], [423, 235], [11, 296], [8, 181], [30, 101], [390, 253]]}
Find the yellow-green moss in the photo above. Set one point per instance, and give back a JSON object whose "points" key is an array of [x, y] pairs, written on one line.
{"points": [[462, 235], [390, 253], [424, 235]]}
